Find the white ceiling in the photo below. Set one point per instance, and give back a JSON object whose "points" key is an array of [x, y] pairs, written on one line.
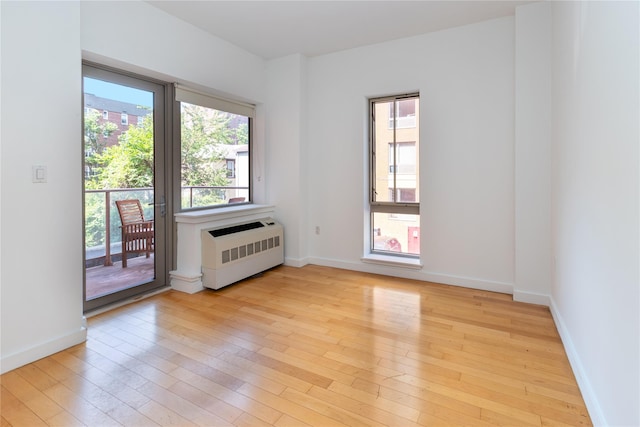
{"points": [[272, 29]]}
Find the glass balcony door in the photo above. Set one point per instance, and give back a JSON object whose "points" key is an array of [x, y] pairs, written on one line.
{"points": [[123, 147]]}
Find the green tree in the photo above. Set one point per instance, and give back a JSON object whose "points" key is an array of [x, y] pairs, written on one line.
{"points": [[96, 133], [129, 164], [241, 133], [203, 132]]}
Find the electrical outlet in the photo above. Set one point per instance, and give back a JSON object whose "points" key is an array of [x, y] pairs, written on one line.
{"points": [[317, 229]]}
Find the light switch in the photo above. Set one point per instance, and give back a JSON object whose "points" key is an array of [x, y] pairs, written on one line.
{"points": [[39, 174]]}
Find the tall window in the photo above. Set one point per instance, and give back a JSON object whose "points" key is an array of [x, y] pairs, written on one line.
{"points": [[395, 178], [215, 143]]}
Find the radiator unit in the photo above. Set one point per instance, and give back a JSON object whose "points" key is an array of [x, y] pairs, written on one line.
{"points": [[235, 252]]}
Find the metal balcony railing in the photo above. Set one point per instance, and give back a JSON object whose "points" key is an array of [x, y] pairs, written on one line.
{"points": [[102, 223]]}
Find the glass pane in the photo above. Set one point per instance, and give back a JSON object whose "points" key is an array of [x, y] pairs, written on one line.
{"points": [[214, 157], [119, 164], [396, 169], [396, 233]]}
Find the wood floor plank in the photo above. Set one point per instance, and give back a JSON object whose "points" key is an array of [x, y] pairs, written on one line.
{"points": [[336, 414], [320, 363], [129, 417], [206, 401], [110, 383], [65, 419], [311, 346], [275, 362], [505, 376], [287, 421], [264, 377], [30, 396], [79, 406], [247, 420], [16, 412], [231, 397], [187, 409], [293, 407], [163, 416], [375, 407]]}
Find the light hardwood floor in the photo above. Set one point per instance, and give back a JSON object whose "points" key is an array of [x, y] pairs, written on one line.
{"points": [[311, 346]]}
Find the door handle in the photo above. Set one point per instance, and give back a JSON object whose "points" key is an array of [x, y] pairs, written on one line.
{"points": [[163, 206]]}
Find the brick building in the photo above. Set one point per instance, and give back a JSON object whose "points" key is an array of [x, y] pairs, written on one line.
{"points": [[122, 114]]}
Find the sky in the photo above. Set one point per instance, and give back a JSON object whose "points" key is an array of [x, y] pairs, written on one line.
{"points": [[118, 92]]}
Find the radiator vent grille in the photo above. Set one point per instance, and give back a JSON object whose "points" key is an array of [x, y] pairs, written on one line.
{"points": [[250, 249], [238, 251], [236, 229]]}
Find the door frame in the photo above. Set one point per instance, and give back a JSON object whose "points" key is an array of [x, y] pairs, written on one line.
{"points": [[163, 183]]}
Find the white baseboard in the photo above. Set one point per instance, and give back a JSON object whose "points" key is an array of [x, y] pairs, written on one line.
{"points": [[412, 273], [296, 262], [589, 396], [531, 298], [37, 352], [185, 282]]}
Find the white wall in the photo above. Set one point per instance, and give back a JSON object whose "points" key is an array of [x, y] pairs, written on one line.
{"points": [[286, 148], [465, 77], [1, 188], [41, 70], [153, 42], [533, 120], [41, 223], [595, 213]]}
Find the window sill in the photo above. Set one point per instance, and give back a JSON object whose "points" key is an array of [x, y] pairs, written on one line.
{"points": [[207, 215], [392, 261]]}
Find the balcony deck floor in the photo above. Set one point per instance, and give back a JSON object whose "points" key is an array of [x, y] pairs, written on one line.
{"points": [[102, 280]]}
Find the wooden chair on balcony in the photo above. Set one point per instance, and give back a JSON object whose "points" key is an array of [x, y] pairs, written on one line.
{"points": [[137, 233]]}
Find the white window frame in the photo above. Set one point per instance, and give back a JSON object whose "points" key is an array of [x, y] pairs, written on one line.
{"points": [[392, 208], [196, 97]]}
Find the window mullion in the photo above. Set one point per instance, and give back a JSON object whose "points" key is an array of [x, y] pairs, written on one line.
{"points": [[395, 152], [372, 165]]}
